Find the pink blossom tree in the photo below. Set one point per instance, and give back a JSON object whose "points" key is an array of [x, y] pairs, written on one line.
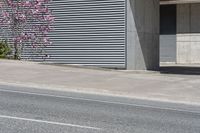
{"points": [[27, 22]]}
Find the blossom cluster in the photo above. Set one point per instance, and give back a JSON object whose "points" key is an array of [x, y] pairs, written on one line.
{"points": [[28, 20]]}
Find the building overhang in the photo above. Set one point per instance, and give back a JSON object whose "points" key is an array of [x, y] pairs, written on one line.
{"points": [[167, 2]]}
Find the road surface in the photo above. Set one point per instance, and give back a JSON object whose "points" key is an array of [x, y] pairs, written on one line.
{"points": [[28, 110]]}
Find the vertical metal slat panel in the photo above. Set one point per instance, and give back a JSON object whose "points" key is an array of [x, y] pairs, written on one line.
{"points": [[86, 32]]}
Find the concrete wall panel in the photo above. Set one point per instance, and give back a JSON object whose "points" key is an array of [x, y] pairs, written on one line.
{"points": [[188, 33], [183, 21], [143, 34], [195, 18]]}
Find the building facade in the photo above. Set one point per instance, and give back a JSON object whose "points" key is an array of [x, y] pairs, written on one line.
{"points": [[124, 34], [120, 34], [180, 31]]}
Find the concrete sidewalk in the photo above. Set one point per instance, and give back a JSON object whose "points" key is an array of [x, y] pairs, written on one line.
{"points": [[141, 85]]}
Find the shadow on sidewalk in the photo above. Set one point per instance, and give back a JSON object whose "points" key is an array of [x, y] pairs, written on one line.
{"points": [[186, 70]]}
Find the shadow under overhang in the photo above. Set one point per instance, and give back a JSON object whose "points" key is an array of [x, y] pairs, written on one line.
{"points": [[167, 2]]}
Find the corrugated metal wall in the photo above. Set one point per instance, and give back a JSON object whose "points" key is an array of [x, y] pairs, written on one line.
{"points": [[87, 32]]}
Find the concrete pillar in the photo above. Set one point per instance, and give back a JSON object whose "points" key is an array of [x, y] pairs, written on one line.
{"points": [[143, 34], [188, 33], [183, 34]]}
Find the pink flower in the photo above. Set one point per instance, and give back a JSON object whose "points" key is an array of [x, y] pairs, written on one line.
{"points": [[5, 14], [49, 18], [28, 21]]}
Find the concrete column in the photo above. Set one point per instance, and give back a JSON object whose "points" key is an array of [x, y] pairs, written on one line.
{"points": [[143, 34], [188, 33], [183, 33]]}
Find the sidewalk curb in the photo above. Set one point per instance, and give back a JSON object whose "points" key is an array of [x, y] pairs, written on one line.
{"points": [[95, 92]]}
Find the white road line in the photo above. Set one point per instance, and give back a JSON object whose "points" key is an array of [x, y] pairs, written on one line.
{"points": [[48, 122], [101, 101]]}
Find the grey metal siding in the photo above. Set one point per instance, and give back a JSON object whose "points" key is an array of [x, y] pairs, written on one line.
{"points": [[167, 48], [86, 32]]}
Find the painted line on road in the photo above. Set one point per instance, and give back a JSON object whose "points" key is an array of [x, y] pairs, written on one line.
{"points": [[101, 101], [48, 122]]}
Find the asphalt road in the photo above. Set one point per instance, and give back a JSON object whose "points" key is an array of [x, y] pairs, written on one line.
{"points": [[28, 110]]}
